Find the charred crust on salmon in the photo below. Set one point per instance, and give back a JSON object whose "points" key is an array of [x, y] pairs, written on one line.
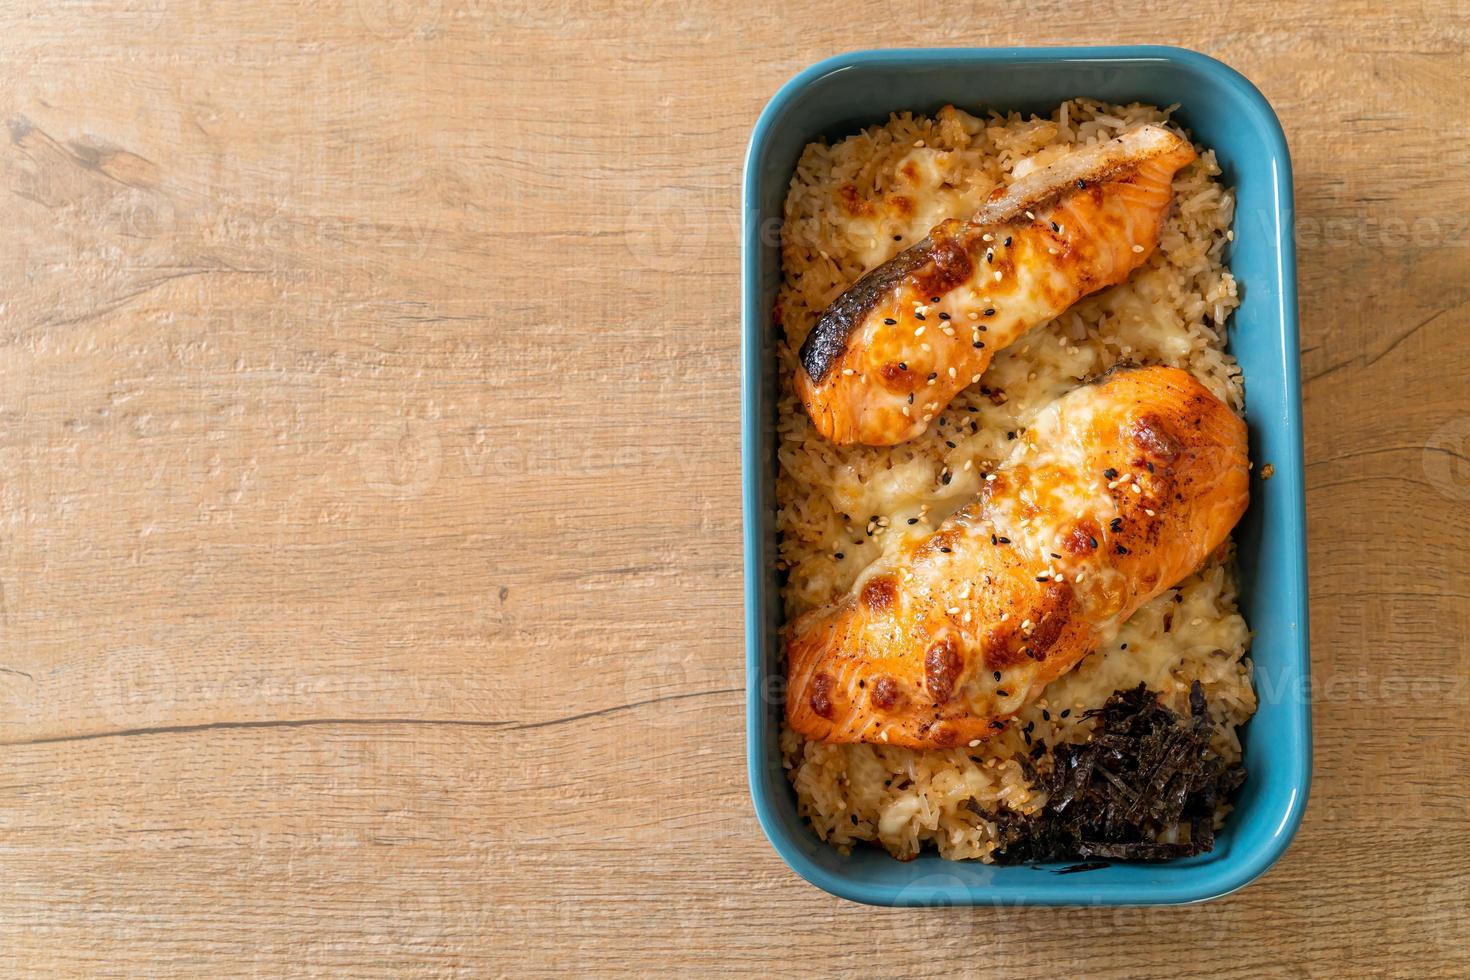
{"points": [[942, 665], [879, 593], [827, 341], [821, 697], [1151, 435], [885, 693]]}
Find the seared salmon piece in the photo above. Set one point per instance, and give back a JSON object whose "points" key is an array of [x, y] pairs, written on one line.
{"points": [[1118, 490], [892, 351]]}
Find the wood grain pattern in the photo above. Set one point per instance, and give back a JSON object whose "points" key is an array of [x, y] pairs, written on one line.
{"points": [[369, 536]]}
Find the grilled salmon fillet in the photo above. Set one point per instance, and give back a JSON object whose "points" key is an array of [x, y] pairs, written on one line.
{"points": [[894, 349], [1117, 491]]}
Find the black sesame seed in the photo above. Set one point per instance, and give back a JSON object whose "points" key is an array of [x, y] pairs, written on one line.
{"points": [[1045, 715], [903, 365], [989, 256], [1003, 540], [990, 311], [1110, 473], [945, 550], [933, 299], [911, 398], [978, 344], [1082, 185], [996, 674], [933, 375], [994, 539], [1092, 541], [1116, 524], [1002, 693], [1011, 434], [1121, 550], [945, 480], [918, 316], [899, 238], [1066, 711], [1055, 226], [1008, 242], [838, 556], [1123, 646], [1054, 555], [913, 520], [889, 320], [1042, 578], [944, 316]]}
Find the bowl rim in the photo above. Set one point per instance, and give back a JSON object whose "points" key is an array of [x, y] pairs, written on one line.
{"points": [[1214, 879]]}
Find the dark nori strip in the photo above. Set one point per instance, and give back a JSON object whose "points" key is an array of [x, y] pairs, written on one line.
{"points": [[1145, 770]]}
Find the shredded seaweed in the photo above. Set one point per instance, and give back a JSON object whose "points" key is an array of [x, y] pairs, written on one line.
{"points": [[1144, 772]]}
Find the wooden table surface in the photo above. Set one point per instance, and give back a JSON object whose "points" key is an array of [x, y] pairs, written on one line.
{"points": [[369, 505]]}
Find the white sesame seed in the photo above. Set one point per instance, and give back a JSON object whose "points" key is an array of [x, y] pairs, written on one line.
{"points": [[1137, 488], [974, 316], [952, 611], [918, 142], [928, 416], [906, 411], [974, 379], [987, 237], [951, 372], [974, 742], [847, 372], [1138, 248], [997, 275], [1053, 251], [989, 477], [925, 347], [919, 332], [969, 464], [1030, 215], [1148, 512]]}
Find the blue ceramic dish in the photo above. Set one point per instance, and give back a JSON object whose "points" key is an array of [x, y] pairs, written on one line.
{"points": [[1223, 111]]}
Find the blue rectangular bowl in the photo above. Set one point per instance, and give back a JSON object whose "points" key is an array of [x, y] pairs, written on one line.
{"points": [[1224, 111]]}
